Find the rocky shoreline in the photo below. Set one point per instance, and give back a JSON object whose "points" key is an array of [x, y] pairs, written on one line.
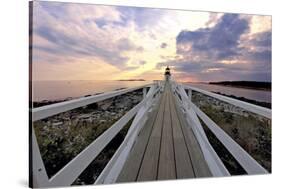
{"points": [[263, 104], [63, 136]]}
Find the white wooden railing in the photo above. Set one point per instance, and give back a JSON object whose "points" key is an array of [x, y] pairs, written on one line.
{"points": [[70, 172], [192, 112]]}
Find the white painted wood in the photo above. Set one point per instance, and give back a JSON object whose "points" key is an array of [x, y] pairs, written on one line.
{"points": [[247, 106], [215, 164], [39, 174], [250, 165], [68, 174], [115, 165], [144, 92], [121, 155], [53, 109]]}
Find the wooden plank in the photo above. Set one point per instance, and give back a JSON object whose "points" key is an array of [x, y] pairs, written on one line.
{"points": [[200, 166], [167, 169], [132, 165], [149, 166], [184, 168]]}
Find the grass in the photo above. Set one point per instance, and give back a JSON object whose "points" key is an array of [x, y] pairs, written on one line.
{"points": [[252, 132]]}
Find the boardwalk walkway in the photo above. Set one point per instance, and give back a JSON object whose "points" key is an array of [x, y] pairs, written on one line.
{"points": [[166, 147]]}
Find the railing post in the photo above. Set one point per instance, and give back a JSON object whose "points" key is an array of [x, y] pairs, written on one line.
{"points": [[189, 94], [144, 92], [189, 97]]}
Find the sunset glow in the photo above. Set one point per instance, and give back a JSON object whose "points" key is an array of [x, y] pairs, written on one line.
{"points": [[95, 42]]}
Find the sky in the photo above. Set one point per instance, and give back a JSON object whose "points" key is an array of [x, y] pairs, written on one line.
{"points": [[95, 42]]}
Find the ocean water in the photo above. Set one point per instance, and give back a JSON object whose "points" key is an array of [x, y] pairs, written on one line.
{"points": [[258, 95], [59, 90]]}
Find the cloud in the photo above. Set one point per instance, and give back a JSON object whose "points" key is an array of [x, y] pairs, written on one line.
{"points": [[81, 36], [125, 44], [219, 42], [163, 45], [226, 51], [143, 17], [197, 45], [261, 39], [142, 62]]}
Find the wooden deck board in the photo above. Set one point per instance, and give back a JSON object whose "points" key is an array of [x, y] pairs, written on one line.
{"points": [[149, 166], [166, 147], [199, 164], [184, 166], [132, 165], [166, 169]]}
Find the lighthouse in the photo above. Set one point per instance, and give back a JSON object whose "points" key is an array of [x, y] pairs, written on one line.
{"points": [[167, 74]]}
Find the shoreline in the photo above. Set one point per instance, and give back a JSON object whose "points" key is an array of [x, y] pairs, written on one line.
{"points": [[254, 85], [251, 101], [241, 87]]}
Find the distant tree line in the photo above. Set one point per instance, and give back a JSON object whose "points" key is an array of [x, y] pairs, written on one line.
{"points": [[246, 84]]}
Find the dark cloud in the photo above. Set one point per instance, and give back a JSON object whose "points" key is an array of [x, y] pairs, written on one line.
{"points": [[262, 39], [219, 42], [163, 45], [99, 22], [209, 71], [204, 52]]}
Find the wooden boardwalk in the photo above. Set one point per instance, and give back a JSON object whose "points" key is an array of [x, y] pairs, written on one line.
{"points": [[165, 148]]}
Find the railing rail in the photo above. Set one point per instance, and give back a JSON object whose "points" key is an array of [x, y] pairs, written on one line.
{"points": [[244, 105], [71, 171], [67, 175], [249, 164], [53, 109], [114, 166], [215, 164]]}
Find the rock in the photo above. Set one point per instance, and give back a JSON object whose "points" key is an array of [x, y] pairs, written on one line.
{"points": [[102, 121], [57, 124], [84, 116]]}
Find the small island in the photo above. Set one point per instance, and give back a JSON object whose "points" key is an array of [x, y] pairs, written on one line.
{"points": [[257, 85], [131, 80]]}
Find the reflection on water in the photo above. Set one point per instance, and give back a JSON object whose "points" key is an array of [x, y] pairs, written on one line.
{"points": [[57, 90], [258, 95]]}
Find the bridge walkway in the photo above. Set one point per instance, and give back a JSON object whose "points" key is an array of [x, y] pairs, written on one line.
{"points": [[165, 148]]}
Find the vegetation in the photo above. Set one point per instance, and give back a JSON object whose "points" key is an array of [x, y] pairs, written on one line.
{"points": [[58, 146], [64, 136], [91, 173], [252, 132], [263, 104], [228, 160]]}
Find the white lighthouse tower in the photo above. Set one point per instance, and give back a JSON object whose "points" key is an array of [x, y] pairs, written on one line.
{"points": [[167, 74]]}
